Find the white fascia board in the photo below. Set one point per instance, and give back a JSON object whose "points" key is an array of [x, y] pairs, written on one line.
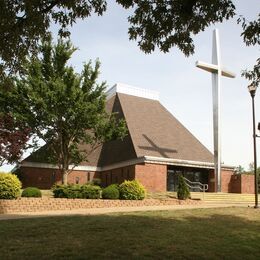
{"points": [[187, 163], [144, 159], [178, 162], [53, 166]]}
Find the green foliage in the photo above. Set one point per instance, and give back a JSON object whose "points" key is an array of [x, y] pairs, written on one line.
{"points": [[165, 24], [65, 108], [76, 191], [239, 169], [24, 23], [31, 192], [132, 190], [90, 192], [95, 181], [111, 192], [9, 186], [183, 192]]}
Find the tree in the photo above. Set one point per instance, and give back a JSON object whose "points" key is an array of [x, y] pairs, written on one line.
{"points": [[163, 24], [66, 109], [14, 131], [239, 169], [13, 139], [24, 23]]}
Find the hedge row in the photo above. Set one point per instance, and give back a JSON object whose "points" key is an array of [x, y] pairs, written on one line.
{"points": [[128, 190], [10, 188]]}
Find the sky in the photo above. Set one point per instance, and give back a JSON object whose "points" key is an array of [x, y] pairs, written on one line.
{"points": [[184, 89]]}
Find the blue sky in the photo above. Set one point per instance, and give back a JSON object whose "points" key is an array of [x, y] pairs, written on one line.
{"points": [[184, 89]]}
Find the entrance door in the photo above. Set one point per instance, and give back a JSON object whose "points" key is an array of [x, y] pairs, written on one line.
{"points": [[172, 179], [192, 174]]}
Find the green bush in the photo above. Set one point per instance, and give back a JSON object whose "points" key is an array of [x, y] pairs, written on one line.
{"points": [[71, 191], [132, 190], [10, 186], [31, 192], [76, 191], [90, 191], [60, 191], [111, 192], [183, 191], [95, 182]]}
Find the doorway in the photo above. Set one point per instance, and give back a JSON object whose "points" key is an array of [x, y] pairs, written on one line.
{"points": [[192, 174]]}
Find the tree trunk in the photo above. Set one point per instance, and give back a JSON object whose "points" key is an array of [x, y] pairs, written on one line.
{"points": [[64, 177]]}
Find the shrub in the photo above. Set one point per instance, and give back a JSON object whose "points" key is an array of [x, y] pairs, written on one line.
{"points": [[31, 192], [183, 191], [60, 191], [95, 182], [132, 190], [67, 191], [76, 191], [9, 186], [90, 191], [111, 192]]}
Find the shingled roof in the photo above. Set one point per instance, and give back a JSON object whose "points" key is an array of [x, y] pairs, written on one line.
{"points": [[153, 131]]}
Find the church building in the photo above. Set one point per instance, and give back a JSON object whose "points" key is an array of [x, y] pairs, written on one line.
{"points": [[157, 149]]}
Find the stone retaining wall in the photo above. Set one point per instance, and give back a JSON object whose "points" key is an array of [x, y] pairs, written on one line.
{"points": [[22, 205]]}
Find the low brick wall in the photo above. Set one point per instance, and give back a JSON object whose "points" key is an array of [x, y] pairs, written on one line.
{"points": [[22, 205]]}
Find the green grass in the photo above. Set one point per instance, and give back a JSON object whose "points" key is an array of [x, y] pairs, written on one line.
{"points": [[227, 233]]}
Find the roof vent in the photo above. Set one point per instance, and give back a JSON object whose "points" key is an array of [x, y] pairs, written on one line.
{"points": [[133, 91]]}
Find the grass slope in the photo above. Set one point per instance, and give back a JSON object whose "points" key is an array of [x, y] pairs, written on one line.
{"points": [[228, 233]]}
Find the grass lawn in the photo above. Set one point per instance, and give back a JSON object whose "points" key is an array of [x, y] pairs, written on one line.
{"points": [[228, 233]]}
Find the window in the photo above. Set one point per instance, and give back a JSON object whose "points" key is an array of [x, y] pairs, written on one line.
{"points": [[77, 180]]}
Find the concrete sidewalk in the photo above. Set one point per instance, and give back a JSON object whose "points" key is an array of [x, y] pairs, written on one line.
{"points": [[98, 211]]}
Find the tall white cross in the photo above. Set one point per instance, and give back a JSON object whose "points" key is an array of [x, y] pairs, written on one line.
{"points": [[217, 71]]}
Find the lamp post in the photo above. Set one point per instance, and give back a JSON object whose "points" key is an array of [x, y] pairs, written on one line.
{"points": [[252, 91]]}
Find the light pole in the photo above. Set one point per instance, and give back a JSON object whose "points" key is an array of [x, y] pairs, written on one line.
{"points": [[252, 91]]}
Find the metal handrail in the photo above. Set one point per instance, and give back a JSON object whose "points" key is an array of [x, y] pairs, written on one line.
{"points": [[197, 185]]}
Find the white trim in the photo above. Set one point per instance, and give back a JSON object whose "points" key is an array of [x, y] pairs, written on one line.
{"points": [[53, 166], [133, 91], [178, 162], [144, 159]]}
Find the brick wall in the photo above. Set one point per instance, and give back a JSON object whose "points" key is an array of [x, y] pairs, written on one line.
{"points": [[152, 176], [242, 183], [24, 205], [226, 185], [45, 178], [118, 175]]}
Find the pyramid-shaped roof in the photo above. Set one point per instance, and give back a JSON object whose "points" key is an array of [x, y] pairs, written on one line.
{"points": [[153, 131]]}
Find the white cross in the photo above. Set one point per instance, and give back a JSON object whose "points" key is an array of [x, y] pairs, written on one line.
{"points": [[217, 71]]}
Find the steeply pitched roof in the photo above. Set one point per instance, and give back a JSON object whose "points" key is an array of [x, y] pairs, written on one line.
{"points": [[156, 132], [153, 131]]}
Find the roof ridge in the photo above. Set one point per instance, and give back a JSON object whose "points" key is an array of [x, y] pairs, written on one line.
{"points": [[129, 132]]}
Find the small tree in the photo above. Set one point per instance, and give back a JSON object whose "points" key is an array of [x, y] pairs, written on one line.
{"points": [[13, 138], [183, 192], [66, 109]]}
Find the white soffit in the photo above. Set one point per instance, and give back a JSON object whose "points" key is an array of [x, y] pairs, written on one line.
{"points": [[133, 91]]}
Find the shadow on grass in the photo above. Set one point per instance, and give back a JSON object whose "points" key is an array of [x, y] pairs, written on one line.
{"points": [[193, 234]]}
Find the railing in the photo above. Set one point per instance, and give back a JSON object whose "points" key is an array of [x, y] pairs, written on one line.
{"points": [[196, 185]]}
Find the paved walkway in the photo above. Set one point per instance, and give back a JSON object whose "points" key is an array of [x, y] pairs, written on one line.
{"points": [[98, 211]]}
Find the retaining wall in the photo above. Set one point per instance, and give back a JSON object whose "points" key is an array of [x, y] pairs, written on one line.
{"points": [[22, 205]]}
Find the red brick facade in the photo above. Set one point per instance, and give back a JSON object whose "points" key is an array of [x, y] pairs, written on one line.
{"points": [[243, 183], [152, 176], [44, 178]]}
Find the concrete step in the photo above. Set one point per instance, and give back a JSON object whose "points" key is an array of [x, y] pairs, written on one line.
{"points": [[224, 197]]}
